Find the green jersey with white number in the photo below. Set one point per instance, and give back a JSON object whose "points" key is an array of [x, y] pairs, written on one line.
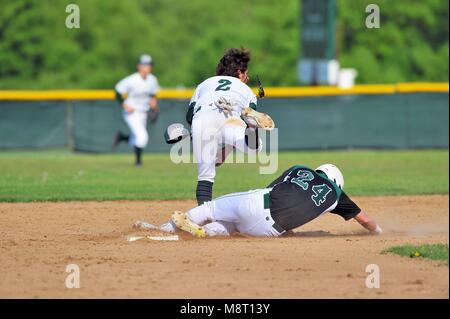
{"points": [[301, 194]]}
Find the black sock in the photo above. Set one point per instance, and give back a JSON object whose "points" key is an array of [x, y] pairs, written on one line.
{"points": [[138, 152], [204, 191]]}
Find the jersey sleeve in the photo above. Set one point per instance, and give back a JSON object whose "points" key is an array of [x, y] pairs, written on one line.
{"points": [[281, 177], [192, 103], [123, 86], [156, 88], [346, 208], [253, 103], [195, 96]]}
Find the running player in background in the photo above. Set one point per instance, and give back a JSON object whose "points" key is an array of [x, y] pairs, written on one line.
{"points": [[137, 95]]}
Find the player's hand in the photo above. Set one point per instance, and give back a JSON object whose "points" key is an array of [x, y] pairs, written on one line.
{"points": [[153, 114], [128, 108], [155, 109]]}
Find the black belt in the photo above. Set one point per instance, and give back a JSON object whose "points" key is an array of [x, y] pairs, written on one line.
{"points": [[277, 227]]}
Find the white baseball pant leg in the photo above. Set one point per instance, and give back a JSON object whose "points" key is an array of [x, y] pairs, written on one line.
{"points": [[137, 122], [243, 212], [234, 134], [205, 140]]}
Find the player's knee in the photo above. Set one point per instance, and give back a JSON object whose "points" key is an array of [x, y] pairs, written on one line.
{"points": [[200, 214], [217, 229], [142, 140]]}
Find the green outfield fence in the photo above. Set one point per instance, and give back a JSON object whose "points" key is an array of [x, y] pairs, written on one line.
{"points": [[385, 117]]}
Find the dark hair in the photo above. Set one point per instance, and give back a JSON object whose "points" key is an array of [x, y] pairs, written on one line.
{"points": [[232, 61]]}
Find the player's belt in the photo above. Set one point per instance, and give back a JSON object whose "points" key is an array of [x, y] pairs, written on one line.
{"points": [[277, 227]]}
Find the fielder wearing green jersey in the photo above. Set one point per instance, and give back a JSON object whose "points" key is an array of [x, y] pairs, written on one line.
{"points": [[298, 196]]}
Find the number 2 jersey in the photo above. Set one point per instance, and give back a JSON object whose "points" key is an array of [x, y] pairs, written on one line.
{"points": [[229, 87], [301, 194]]}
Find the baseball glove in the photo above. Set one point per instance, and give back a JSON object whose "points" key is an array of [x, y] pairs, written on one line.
{"points": [[257, 119], [153, 114]]}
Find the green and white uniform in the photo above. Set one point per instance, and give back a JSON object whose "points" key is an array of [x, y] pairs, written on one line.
{"points": [[301, 194], [298, 196], [212, 127]]}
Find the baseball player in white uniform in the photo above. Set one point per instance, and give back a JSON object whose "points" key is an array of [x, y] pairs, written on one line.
{"points": [[298, 196], [215, 112], [137, 95]]}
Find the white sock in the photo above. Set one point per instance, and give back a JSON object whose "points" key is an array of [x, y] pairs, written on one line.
{"points": [[144, 225], [168, 227]]}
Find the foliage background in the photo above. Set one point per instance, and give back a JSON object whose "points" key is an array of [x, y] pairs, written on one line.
{"points": [[186, 38]]}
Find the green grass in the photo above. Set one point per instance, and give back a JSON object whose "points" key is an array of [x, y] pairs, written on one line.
{"points": [[61, 175], [430, 251]]}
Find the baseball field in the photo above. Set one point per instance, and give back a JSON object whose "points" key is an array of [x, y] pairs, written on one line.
{"points": [[59, 208]]}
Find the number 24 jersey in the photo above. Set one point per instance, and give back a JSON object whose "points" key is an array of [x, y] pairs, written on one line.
{"points": [[301, 194]]}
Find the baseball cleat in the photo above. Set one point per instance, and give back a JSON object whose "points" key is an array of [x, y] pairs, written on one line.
{"points": [[184, 223], [258, 119]]}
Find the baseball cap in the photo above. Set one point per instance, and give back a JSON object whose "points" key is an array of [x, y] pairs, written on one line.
{"points": [[145, 59]]}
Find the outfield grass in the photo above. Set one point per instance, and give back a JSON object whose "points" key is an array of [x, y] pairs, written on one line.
{"points": [[61, 175], [430, 251]]}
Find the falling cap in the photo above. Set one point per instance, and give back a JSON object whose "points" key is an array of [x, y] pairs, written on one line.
{"points": [[175, 133], [145, 59]]}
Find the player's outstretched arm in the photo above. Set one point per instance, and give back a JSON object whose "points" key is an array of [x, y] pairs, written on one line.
{"points": [[368, 223]]}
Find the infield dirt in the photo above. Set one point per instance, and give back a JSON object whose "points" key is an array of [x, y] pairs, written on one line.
{"points": [[326, 258]]}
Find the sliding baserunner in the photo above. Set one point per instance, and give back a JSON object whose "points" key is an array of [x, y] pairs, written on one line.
{"points": [[295, 198]]}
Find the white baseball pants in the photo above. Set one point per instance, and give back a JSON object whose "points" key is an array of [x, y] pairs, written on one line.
{"points": [[137, 122], [243, 212], [210, 130]]}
